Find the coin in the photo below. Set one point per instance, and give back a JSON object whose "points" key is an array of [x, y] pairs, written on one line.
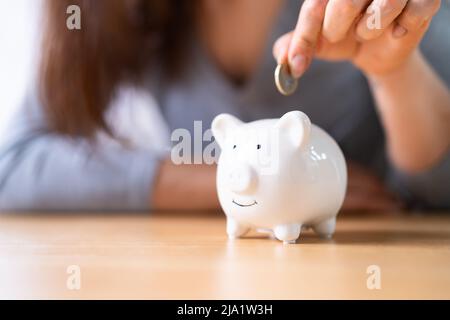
{"points": [[285, 83]]}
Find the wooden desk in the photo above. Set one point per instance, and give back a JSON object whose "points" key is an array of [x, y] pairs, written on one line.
{"points": [[173, 256]]}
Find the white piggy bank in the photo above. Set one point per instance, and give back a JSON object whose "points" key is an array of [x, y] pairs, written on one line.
{"points": [[278, 175]]}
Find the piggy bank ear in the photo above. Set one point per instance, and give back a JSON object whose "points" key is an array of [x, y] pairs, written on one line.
{"points": [[297, 126], [222, 126]]}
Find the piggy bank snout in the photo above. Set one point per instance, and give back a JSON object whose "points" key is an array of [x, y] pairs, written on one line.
{"points": [[241, 178]]}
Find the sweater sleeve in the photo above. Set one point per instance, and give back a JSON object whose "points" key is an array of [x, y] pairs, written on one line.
{"points": [[41, 170], [431, 189], [426, 190]]}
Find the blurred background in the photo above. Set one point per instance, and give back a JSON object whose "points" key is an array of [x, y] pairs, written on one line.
{"points": [[19, 40]]}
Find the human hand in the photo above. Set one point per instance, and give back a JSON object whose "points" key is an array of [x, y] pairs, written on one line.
{"points": [[366, 192], [350, 30]]}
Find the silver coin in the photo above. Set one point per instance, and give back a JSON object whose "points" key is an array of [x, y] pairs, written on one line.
{"points": [[285, 83]]}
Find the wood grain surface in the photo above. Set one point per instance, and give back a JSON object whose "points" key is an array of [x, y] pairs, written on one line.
{"points": [[187, 256]]}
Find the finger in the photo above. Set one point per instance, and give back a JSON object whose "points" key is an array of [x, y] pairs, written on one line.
{"points": [[339, 17], [281, 48], [371, 184], [378, 17], [370, 203], [407, 43], [363, 205], [305, 36], [362, 200], [415, 15], [342, 50]]}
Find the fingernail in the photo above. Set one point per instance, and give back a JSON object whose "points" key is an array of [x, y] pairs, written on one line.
{"points": [[399, 31], [298, 65], [281, 59]]}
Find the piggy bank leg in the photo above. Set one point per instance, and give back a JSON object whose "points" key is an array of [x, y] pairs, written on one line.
{"points": [[325, 228], [235, 229], [288, 233]]}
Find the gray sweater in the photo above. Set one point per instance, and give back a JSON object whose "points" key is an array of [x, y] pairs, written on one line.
{"points": [[41, 170]]}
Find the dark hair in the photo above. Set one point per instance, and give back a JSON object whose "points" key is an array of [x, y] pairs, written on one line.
{"points": [[118, 40]]}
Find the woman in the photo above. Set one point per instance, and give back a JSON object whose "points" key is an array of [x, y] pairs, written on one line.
{"points": [[384, 99]]}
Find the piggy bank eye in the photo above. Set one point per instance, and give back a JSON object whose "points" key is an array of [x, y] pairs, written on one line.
{"points": [[258, 146], [234, 147]]}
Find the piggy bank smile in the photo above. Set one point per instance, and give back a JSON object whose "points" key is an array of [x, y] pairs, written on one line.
{"points": [[240, 204]]}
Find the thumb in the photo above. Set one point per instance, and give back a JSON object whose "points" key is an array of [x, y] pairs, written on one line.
{"points": [[281, 48]]}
